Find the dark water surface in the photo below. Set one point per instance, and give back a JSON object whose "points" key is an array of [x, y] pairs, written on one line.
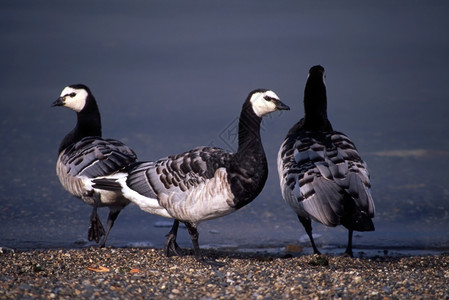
{"points": [[172, 75]]}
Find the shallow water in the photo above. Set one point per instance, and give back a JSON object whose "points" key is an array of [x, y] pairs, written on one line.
{"points": [[172, 76]]}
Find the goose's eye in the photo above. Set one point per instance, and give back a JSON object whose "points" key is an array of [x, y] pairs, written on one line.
{"points": [[72, 95], [268, 98]]}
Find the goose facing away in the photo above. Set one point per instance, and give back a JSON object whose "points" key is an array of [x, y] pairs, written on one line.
{"points": [[322, 176], [206, 182], [84, 155]]}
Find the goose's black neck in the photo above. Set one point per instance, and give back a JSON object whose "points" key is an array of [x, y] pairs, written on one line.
{"points": [[315, 101], [249, 130], [88, 124], [249, 170]]}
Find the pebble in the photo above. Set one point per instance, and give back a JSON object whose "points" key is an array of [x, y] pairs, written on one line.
{"points": [[63, 274], [293, 248]]}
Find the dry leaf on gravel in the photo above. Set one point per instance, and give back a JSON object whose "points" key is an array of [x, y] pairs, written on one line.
{"points": [[100, 269]]}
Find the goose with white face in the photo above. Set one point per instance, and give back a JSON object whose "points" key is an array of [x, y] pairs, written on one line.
{"points": [[72, 98], [266, 102]]}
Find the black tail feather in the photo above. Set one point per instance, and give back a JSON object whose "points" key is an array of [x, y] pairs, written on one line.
{"points": [[358, 221], [106, 184]]}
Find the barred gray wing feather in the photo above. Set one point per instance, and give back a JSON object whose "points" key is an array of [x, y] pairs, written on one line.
{"points": [[178, 173], [138, 181], [357, 179], [325, 204], [319, 171], [94, 156]]}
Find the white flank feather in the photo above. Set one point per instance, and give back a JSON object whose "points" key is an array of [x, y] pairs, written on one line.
{"points": [[208, 200]]}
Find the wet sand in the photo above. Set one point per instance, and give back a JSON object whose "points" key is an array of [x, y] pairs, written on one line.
{"points": [[127, 273]]}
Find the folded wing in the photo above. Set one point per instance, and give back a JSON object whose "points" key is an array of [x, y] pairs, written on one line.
{"points": [[324, 175], [95, 157]]}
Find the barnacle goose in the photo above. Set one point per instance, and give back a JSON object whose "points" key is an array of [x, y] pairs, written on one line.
{"points": [[206, 182], [322, 176], [84, 155]]}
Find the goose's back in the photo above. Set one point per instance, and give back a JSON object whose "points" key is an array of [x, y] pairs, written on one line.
{"points": [[89, 158], [322, 174]]}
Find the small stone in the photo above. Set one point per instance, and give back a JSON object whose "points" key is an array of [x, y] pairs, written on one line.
{"points": [[319, 260], [38, 268], [6, 250], [357, 279], [293, 248]]}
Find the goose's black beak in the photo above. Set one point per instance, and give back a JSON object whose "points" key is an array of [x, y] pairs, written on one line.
{"points": [[58, 102], [281, 106]]}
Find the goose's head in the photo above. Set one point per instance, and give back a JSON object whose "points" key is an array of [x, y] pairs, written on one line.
{"points": [[315, 100], [265, 101], [317, 72], [316, 86], [74, 97]]}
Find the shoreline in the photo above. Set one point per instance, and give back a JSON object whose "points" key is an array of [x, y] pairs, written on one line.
{"points": [[145, 273]]}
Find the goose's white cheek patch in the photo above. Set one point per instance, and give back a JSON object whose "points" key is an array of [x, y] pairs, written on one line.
{"points": [[77, 102], [261, 106]]}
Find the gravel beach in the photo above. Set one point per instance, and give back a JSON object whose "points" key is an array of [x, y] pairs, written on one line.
{"points": [[127, 273]]}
